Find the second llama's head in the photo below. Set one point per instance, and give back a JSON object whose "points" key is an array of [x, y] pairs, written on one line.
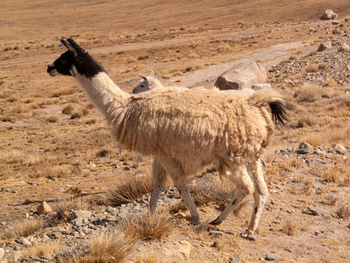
{"points": [[147, 83], [74, 61]]}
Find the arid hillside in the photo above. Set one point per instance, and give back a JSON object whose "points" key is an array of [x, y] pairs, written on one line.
{"points": [[56, 147]]}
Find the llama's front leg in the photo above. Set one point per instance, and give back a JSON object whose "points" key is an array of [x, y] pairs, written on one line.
{"points": [[174, 170], [245, 187], [189, 202], [260, 196], [158, 181]]}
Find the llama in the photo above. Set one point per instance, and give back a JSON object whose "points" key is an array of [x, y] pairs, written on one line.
{"points": [[158, 172], [185, 130]]}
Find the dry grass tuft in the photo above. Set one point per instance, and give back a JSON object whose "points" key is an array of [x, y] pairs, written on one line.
{"points": [[133, 188], [344, 211], [42, 250], [309, 94], [330, 83], [52, 118], [329, 199], [292, 163], [67, 109], [112, 246], [338, 173], [150, 259], [21, 228], [290, 228], [177, 207], [312, 68], [64, 206], [213, 191], [61, 92], [148, 226]]}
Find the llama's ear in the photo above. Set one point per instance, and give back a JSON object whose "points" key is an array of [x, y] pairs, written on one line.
{"points": [[143, 76], [69, 47], [65, 43], [151, 73], [75, 46]]}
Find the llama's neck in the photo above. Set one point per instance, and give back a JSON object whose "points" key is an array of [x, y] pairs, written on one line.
{"points": [[154, 83], [104, 93]]}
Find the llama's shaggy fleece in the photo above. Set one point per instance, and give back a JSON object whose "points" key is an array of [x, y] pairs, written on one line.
{"points": [[185, 129], [205, 125]]}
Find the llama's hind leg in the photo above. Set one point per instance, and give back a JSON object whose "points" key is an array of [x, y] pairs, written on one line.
{"points": [[158, 181], [245, 187], [260, 196]]}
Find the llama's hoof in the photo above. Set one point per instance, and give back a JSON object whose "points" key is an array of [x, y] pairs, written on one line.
{"points": [[215, 222], [248, 236], [195, 221]]}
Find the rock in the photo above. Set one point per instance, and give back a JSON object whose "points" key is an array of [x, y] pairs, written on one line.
{"points": [[316, 211], [77, 221], [81, 214], [324, 46], [328, 15], [270, 257], [340, 149], [261, 86], [44, 208], [319, 152], [2, 253], [242, 76], [235, 259], [185, 248], [344, 47], [55, 235], [23, 241], [4, 190], [304, 148]]}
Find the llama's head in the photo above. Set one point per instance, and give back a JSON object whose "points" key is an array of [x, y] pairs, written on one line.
{"points": [[147, 83], [74, 60]]}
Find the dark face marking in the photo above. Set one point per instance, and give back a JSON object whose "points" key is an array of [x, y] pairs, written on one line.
{"points": [[63, 64], [255, 210], [233, 202], [77, 57]]}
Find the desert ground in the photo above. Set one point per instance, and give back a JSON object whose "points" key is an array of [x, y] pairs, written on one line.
{"points": [[56, 147]]}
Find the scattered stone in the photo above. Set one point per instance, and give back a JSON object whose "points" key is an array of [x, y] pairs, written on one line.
{"points": [[319, 152], [270, 257], [22, 241], [316, 211], [344, 47], [324, 46], [186, 248], [81, 214], [305, 148], [328, 15], [235, 259], [77, 221], [44, 208], [340, 149], [261, 86], [2, 253]]}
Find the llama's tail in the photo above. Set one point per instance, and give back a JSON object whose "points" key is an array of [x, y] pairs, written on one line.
{"points": [[274, 100]]}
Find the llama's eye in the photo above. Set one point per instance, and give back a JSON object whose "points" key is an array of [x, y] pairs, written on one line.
{"points": [[142, 86]]}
